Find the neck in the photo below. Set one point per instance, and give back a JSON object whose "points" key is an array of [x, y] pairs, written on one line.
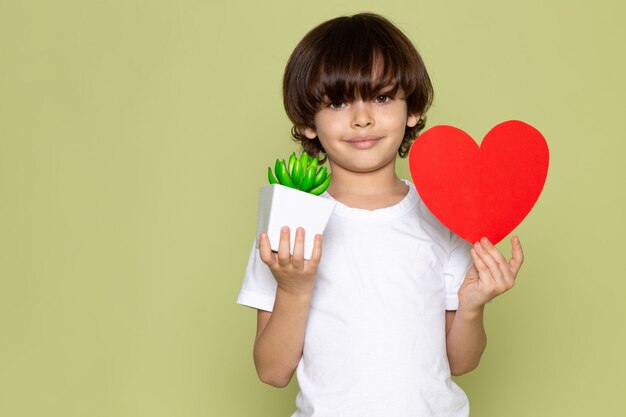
{"points": [[372, 189]]}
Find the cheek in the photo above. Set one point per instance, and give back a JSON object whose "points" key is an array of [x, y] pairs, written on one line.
{"points": [[326, 128]]}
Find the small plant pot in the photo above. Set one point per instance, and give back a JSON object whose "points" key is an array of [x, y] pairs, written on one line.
{"points": [[283, 206]]}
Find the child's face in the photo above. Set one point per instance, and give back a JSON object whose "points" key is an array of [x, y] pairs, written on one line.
{"points": [[362, 136]]}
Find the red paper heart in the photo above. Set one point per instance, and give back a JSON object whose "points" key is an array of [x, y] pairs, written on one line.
{"points": [[480, 191]]}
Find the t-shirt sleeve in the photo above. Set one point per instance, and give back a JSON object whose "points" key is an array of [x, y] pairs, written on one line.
{"points": [[259, 285], [457, 266]]}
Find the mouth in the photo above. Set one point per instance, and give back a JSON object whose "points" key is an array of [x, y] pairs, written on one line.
{"points": [[364, 142]]}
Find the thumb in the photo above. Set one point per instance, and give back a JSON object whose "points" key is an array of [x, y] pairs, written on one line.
{"points": [[472, 272]]}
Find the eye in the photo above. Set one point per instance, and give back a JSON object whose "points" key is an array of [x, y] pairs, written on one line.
{"points": [[382, 98], [336, 104]]}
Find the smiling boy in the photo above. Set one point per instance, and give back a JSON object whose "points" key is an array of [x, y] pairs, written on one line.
{"points": [[376, 325]]}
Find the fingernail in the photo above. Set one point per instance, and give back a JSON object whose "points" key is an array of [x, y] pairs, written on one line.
{"points": [[285, 229]]}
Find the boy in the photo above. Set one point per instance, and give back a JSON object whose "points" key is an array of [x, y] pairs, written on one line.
{"points": [[394, 307]]}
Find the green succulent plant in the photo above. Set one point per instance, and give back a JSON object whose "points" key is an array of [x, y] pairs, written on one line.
{"points": [[300, 173]]}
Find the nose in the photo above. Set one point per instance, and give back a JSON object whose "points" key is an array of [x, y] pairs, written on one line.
{"points": [[362, 115]]}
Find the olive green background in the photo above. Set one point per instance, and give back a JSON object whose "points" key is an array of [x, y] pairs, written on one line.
{"points": [[134, 136]]}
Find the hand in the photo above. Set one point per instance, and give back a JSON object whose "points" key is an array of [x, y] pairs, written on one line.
{"points": [[490, 275], [293, 274]]}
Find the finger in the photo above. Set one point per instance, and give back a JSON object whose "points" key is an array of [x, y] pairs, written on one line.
{"points": [[517, 254], [479, 265], [265, 250], [482, 270], [297, 259], [316, 255], [490, 275], [506, 277], [284, 250], [493, 251], [494, 271]]}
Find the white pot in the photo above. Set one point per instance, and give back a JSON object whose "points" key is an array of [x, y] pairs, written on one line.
{"points": [[283, 206]]}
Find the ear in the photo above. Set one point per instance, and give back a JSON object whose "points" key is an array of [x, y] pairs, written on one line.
{"points": [[309, 132], [412, 119]]}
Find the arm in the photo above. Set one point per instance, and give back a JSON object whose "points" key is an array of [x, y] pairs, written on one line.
{"points": [[280, 334], [490, 276], [465, 340]]}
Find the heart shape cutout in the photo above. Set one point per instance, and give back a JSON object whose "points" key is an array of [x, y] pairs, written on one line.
{"points": [[480, 191]]}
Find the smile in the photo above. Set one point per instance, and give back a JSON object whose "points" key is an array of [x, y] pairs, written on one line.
{"points": [[364, 142]]}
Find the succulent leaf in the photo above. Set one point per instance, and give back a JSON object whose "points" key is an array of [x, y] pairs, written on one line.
{"points": [[297, 173], [292, 161], [304, 160], [322, 187], [283, 175], [320, 177], [307, 180], [270, 176]]}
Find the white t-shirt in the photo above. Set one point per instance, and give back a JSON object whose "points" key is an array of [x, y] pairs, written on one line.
{"points": [[375, 340]]}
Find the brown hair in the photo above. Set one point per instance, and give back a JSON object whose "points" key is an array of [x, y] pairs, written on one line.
{"points": [[353, 57]]}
